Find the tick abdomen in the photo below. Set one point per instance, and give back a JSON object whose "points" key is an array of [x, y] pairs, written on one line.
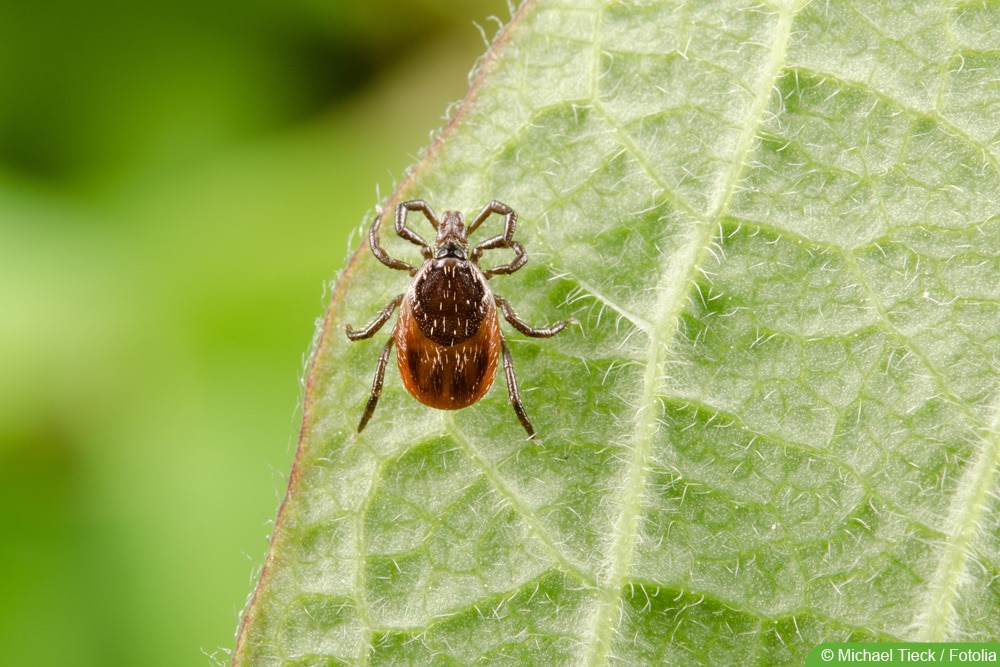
{"points": [[447, 337]]}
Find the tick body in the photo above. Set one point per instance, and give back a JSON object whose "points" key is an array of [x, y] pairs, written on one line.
{"points": [[448, 337]]}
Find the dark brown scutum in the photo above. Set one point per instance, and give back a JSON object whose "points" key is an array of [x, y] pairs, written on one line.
{"points": [[449, 305]]}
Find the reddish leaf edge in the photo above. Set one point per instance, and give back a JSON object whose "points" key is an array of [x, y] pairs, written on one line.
{"points": [[251, 609]]}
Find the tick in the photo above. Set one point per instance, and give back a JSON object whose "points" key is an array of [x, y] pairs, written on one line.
{"points": [[448, 338]]}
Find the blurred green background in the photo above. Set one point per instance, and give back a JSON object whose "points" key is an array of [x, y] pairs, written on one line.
{"points": [[178, 181]]}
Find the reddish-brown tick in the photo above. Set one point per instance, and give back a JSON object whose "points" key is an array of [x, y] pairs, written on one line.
{"points": [[448, 335]]}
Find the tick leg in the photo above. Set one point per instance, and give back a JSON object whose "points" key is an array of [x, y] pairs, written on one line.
{"points": [[405, 232], [515, 396], [381, 255], [505, 240], [376, 384], [524, 327], [371, 329], [520, 258], [509, 219]]}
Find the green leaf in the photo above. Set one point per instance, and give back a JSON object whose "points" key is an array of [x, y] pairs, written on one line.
{"points": [[777, 423]]}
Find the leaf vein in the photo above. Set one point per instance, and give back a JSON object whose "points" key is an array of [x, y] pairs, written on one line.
{"points": [[936, 621], [673, 285], [549, 544]]}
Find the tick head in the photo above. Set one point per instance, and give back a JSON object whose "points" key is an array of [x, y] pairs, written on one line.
{"points": [[451, 241]]}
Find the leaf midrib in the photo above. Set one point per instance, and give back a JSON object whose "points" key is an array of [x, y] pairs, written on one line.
{"points": [[935, 622], [675, 281]]}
